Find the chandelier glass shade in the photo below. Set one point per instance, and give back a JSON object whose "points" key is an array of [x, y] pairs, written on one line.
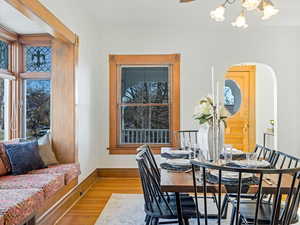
{"points": [[266, 7]]}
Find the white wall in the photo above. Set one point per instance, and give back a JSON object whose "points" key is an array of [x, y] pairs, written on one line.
{"points": [[87, 82], [200, 48], [265, 94]]}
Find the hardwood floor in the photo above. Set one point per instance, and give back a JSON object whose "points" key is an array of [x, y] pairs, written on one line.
{"points": [[88, 208]]}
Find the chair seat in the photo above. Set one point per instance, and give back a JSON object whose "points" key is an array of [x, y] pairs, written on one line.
{"points": [[49, 183], [70, 171], [16, 206], [187, 204], [248, 207]]}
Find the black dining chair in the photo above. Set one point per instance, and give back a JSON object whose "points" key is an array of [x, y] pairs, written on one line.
{"points": [[259, 211], [283, 160], [157, 204], [265, 153], [184, 137]]}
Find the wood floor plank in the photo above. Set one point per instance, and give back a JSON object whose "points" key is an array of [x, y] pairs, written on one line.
{"points": [[88, 208]]}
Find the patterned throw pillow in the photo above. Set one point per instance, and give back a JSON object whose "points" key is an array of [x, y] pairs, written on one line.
{"points": [[3, 170], [5, 167], [24, 157]]}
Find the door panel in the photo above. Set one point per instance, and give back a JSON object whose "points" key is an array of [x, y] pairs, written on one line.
{"points": [[240, 131]]}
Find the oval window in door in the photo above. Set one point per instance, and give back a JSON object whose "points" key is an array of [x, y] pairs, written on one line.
{"points": [[232, 96]]}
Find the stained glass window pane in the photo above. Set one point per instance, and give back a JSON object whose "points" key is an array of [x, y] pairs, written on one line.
{"points": [[37, 59], [4, 55], [37, 111]]}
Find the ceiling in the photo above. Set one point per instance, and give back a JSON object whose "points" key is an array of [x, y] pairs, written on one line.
{"points": [[172, 13], [16, 22]]}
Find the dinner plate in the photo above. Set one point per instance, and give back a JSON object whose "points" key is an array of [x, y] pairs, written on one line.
{"points": [[252, 163], [231, 175], [179, 162], [178, 152]]}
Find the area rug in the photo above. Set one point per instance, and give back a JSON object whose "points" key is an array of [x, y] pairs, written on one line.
{"points": [[127, 209]]}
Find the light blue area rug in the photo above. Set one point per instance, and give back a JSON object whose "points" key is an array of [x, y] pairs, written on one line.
{"points": [[128, 209]]}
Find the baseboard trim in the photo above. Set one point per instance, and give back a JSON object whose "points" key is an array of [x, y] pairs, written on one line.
{"points": [[118, 172], [53, 215]]}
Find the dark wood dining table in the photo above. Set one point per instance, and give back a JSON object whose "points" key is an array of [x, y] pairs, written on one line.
{"points": [[182, 182]]}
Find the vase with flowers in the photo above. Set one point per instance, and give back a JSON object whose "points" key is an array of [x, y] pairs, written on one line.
{"points": [[212, 120]]}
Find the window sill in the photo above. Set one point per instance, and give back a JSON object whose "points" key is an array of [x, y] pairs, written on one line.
{"points": [[131, 150]]}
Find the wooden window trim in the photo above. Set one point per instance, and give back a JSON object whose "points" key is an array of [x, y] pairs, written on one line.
{"points": [[173, 60]]}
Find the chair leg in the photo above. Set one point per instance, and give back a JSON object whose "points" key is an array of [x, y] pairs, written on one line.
{"points": [[147, 220], [186, 221], [232, 216], [224, 208], [154, 221]]}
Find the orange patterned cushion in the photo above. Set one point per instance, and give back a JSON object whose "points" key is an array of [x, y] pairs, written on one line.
{"points": [[16, 206], [70, 171], [1, 220], [49, 183], [3, 157]]}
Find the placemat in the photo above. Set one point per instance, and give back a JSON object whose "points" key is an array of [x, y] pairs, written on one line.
{"points": [[178, 168]]}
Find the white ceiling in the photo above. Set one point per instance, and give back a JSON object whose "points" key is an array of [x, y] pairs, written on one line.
{"points": [[172, 13], [15, 21]]}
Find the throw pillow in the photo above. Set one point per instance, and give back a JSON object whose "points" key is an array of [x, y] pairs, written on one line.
{"points": [[4, 157], [24, 157], [45, 150], [3, 170]]}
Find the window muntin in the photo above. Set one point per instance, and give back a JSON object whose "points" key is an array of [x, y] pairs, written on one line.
{"points": [[37, 107], [37, 58], [4, 106], [144, 105], [4, 55]]}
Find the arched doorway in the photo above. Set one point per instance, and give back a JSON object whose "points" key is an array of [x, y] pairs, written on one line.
{"points": [[250, 95]]}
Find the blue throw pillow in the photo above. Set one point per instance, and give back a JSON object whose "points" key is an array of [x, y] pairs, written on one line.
{"points": [[24, 157]]}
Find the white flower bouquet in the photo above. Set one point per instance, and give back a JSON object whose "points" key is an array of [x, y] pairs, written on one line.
{"points": [[204, 112]]}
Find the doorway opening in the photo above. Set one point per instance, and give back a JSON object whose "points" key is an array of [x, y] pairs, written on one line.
{"points": [[250, 95]]}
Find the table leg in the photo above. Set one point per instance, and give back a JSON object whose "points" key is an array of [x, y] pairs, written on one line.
{"points": [[179, 209]]}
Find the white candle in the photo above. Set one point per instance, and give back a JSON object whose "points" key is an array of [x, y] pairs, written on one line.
{"points": [[218, 100], [213, 84]]}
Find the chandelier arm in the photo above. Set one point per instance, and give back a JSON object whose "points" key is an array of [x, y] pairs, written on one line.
{"points": [[229, 2]]}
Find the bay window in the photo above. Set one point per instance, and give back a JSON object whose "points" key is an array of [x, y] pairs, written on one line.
{"points": [[25, 85]]}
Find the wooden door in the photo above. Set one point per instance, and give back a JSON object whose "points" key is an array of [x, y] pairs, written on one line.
{"points": [[241, 126]]}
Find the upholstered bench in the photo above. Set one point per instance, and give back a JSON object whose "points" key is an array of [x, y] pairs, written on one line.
{"points": [[1, 220], [70, 171], [48, 183], [17, 206]]}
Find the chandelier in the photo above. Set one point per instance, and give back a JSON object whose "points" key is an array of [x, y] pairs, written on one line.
{"points": [[265, 7]]}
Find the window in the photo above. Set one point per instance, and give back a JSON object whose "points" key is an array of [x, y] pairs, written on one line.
{"points": [[3, 109], [4, 55], [36, 84], [144, 101], [37, 107], [144, 106], [37, 59]]}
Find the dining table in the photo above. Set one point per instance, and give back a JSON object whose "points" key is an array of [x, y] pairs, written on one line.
{"points": [[182, 182]]}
